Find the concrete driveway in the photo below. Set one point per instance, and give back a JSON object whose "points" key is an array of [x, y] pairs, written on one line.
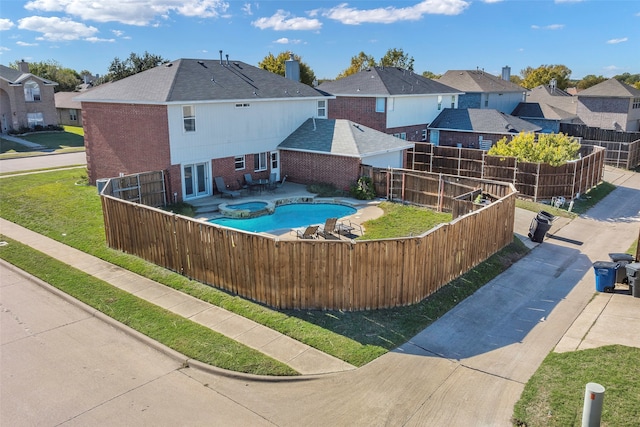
{"points": [[23, 164]]}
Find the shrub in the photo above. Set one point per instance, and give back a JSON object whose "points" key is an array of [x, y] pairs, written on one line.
{"points": [[363, 189], [554, 149]]}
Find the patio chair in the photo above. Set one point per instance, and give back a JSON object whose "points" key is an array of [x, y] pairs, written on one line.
{"points": [[271, 186], [328, 229], [311, 232], [348, 228], [223, 190], [278, 185]]}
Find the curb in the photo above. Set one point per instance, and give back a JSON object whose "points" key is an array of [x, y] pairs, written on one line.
{"points": [[180, 358]]}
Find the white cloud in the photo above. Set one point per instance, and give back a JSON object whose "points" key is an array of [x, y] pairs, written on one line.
{"points": [[285, 40], [5, 24], [388, 15], [56, 29], [4, 49], [246, 8], [282, 21], [20, 43], [616, 41], [492, 1], [117, 33], [99, 40], [548, 27], [130, 12]]}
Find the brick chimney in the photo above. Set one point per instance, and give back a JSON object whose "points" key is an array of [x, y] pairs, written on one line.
{"points": [[23, 66]]}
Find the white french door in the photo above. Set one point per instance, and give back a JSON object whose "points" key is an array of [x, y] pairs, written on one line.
{"points": [[275, 163], [195, 180]]}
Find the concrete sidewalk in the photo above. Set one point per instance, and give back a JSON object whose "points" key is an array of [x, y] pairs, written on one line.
{"points": [[301, 357]]}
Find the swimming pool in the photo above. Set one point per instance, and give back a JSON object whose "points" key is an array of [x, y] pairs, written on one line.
{"points": [[289, 216]]}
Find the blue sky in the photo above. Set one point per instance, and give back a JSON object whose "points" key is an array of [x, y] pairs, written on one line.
{"points": [[600, 37]]}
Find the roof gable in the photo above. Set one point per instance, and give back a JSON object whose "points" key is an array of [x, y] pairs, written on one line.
{"points": [[478, 81], [341, 137], [611, 88], [542, 111], [14, 76], [481, 120], [192, 80], [386, 81]]}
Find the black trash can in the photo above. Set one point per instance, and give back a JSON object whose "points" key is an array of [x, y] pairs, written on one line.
{"points": [[622, 259], [633, 276], [538, 228], [546, 215], [605, 275]]}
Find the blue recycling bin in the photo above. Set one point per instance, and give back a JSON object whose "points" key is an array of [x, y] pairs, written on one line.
{"points": [[605, 275]]}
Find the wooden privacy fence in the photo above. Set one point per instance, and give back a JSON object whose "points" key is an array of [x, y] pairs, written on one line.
{"points": [[537, 181], [311, 274], [147, 188], [623, 148]]}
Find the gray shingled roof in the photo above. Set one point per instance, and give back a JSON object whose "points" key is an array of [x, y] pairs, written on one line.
{"points": [[611, 88], [472, 81], [556, 98], [481, 120], [193, 80], [12, 75], [386, 81], [342, 138], [541, 110]]}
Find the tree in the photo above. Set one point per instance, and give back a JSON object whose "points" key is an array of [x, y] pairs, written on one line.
{"points": [[590, 80], [430, 75], [543, 75], [66, 78], [132, 65], [360, 62], [554, 149], [397, 58], [276, 64], [630, 79]]}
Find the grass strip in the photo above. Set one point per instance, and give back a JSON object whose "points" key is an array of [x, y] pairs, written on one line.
{"points": [[580, 205], [185, 336], [554, 395]]}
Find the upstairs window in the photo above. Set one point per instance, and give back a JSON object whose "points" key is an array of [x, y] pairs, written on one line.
{"points": [[439, 102], [31, 91], [379, 105], [636, 103], [453, 101], [322, 109], [189, 118], [239, 162]]}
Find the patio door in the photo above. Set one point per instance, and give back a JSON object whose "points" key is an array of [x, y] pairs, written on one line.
{"points": [[195, 180], [275, 163]]}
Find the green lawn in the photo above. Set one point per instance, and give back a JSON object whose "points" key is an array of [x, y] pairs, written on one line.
{"points": [[580, 206], [554, 395], [70, 140], [59, 204]]}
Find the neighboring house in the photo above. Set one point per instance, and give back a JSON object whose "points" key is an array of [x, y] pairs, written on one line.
{"points": [[68, 109], [485, 91], [610, 105], [547, 106], [554, 97], [391, 100], [331, 151], [476, 128], [26, 100], [196, 119]]}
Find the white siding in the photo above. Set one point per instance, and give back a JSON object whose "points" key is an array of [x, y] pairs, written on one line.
{"points": [[505, 102], [222, 130], [392, 159], [414, 110]]}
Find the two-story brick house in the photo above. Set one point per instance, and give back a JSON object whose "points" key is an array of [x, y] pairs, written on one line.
{"points": [[26, 100], [484, 90], [391, 100], [610, 104]]}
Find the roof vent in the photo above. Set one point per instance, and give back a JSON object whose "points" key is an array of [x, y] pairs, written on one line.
{"points": [[202, 63]]}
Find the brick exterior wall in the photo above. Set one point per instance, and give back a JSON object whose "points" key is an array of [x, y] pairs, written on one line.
{"points": [[358, 110], [468, 139], [414, 133], [307, 168], [605, 113], [125, 138]]}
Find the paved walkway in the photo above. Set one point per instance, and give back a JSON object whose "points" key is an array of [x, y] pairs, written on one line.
{"points": [[301, 357]]}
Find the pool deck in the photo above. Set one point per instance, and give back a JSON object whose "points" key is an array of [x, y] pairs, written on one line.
{"points": [[207, 207]]}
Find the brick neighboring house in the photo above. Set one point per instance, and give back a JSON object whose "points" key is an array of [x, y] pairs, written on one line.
{"points": [[548, 107], [195, 119], [485, 91], [391, 100], [610, 104], [26, 100], [69, 110], [332, 150], [476, 128]]}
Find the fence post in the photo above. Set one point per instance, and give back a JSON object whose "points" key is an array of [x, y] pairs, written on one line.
{"points": [[592, 409]]}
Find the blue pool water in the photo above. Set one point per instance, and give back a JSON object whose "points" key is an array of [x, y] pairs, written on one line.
{"points": [[289, 216]]}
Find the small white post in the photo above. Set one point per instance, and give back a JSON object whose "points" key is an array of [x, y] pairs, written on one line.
{"points": [[592, 410]]}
